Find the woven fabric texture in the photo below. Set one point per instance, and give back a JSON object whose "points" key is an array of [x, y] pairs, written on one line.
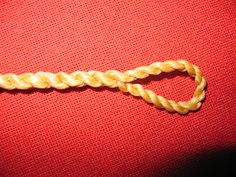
{"points": [[103, 132]]}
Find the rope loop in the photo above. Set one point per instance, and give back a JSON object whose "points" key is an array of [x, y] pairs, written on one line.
{"points": [[115, 79]]}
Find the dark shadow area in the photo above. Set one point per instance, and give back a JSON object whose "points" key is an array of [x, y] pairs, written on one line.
{"points": [[216, 163]]}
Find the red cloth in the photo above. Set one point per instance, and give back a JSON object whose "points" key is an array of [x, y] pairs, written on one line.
{"points": [[94, 132]]}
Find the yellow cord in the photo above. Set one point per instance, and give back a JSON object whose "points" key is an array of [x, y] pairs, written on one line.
{"points": [[113, 79]]}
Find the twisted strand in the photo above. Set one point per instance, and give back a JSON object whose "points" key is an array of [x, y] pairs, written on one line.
{"points": [[113, 79]]}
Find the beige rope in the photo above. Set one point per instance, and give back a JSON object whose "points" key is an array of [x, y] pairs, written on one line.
{"points": [[113, 79]]}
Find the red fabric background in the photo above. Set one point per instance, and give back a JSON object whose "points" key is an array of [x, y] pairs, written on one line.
{"points": [[81, 132]]}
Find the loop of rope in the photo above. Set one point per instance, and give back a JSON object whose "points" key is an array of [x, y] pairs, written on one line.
{"points": [[113, 79]]}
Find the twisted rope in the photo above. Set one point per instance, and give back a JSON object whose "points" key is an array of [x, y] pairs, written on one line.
{"points": [[113, 79]]}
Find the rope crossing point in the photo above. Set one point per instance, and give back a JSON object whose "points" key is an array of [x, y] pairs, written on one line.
{"points": [[115, 79]]}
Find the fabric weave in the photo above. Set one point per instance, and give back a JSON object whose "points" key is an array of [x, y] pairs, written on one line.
{"points": [[100, 132]]}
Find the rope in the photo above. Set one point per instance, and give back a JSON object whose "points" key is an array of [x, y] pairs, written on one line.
{"points": [[114, 79]]}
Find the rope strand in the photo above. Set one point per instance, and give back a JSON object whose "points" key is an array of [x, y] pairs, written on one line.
{"points": [[115, 79]]}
